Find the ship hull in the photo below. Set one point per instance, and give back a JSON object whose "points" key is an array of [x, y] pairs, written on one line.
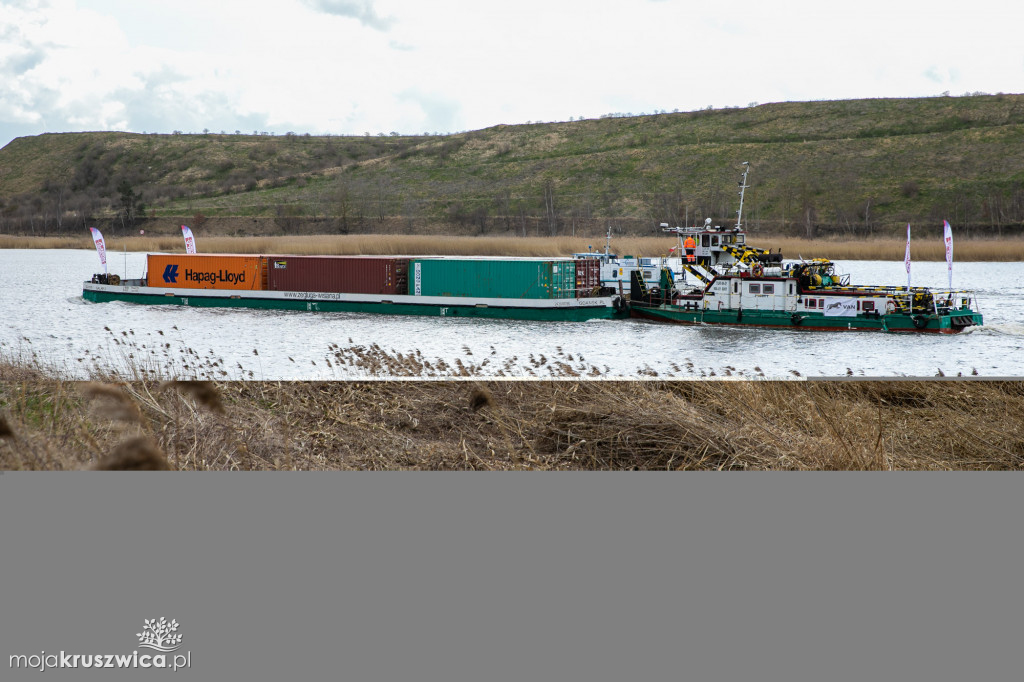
{"points": [[951, 323], [563, 309]]}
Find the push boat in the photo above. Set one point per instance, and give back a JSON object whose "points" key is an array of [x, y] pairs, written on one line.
{"points": [[508, 288], [736, 284]]}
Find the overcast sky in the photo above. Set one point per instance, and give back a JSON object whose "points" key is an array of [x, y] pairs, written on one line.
{"points": [[355, 66]]}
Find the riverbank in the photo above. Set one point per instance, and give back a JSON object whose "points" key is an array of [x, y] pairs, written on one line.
{"points": [[967, 424], [925, 249]]}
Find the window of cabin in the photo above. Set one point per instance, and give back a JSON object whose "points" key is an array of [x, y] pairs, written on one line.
{"points": [[790, 288], [869, 306], [767, 288], [735, 287], [810, 303], [705, 240], [714, 240], [753, 288], [821, 303]]}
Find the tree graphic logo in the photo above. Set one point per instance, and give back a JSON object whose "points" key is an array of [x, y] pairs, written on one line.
{"points": [[160, 635]]}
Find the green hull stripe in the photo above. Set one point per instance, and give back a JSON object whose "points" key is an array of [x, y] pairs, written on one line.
{"points": [[940, 324], [577, 314]]}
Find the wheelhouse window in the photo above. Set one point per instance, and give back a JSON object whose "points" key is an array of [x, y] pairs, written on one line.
{"points": [[868, 306], [753, 288], [767, 288]]}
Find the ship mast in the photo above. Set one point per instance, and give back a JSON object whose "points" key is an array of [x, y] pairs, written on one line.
{"points": [[743, 186]]}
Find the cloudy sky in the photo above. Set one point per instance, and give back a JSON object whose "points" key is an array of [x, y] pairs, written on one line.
{"points": [[415, 66]]}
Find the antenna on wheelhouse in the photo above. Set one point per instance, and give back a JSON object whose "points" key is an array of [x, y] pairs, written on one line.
{"points": [[743, 186]]}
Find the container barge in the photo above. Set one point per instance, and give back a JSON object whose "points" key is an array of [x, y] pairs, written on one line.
{"points": [[512, 288]]}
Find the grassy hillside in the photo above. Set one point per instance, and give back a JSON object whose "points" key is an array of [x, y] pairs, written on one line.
{"points": [[855, 168]]}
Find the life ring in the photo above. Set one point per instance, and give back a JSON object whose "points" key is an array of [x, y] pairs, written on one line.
{"points": [[890, 307]]}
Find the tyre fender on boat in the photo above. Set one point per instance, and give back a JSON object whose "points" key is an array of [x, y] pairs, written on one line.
{"points": [[920, 321], [798, 319]]}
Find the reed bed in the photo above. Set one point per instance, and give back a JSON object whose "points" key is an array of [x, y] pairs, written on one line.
{"points": [[922, 248], [49, 423]]}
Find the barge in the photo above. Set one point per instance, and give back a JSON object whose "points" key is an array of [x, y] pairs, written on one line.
{"points": [[510, 288]]}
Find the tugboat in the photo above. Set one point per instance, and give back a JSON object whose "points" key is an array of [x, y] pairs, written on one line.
{"points": [[741, 285]]}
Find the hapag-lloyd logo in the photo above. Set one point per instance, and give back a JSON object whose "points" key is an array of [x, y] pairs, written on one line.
{"points": [[159, 635]]}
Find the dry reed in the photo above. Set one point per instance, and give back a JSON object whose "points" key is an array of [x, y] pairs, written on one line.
{"points": [[543, 425], [922, 248]]}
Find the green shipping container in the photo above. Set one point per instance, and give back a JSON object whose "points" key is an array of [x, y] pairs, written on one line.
{"points": [[493, 278]]}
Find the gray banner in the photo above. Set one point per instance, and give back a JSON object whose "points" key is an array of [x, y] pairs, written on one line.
{"points": [[468, 576]]}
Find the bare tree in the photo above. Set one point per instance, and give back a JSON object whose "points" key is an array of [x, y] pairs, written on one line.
{"points": [[549, 206]]}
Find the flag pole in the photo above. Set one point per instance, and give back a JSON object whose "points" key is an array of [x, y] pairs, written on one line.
{"points": [[947, 237], [906, 260]]}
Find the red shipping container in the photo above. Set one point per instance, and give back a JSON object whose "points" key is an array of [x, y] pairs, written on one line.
{"points": [[338, 274], [588, 276]]}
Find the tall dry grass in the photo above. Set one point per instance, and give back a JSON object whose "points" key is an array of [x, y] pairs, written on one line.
{"points": [[874, 249], [51, 424]]}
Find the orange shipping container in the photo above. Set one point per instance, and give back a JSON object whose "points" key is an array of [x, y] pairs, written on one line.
{"points": [[205, 271]]}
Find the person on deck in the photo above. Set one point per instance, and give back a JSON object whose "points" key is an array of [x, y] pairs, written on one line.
{"points": [[690, 246]]}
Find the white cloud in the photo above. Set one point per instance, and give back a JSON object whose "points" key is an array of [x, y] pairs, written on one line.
{"points": [[361, 10], [352, 66]]}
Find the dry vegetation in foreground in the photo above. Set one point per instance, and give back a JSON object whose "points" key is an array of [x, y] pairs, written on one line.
{"points": [[48, 424], [922, 248]]}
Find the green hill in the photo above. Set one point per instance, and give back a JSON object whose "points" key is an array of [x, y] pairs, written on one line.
{"points": [[852, 167]]}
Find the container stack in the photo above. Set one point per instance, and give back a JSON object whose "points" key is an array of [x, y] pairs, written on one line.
{"points": [[521, 278], [463, 277]]}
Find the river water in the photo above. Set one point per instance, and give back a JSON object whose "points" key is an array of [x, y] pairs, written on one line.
{"points": [[46, 322]]}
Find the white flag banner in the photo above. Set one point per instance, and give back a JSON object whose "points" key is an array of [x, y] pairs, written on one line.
{"points": [[840, 307], [190, 241], [101, 247], [947, 236], [906, 258]]}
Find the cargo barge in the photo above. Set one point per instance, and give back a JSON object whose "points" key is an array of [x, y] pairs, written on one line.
{"points": [[511, 288]]}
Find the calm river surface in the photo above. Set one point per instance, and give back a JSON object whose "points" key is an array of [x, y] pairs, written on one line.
{"points": [[46, 321]]}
